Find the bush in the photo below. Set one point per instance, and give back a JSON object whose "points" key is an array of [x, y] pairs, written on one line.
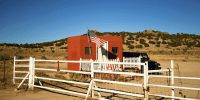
{"points": [[35, 50], [20, 57], [158, 42], [40, 46], [146, 45], [131, 47], [158, 45], [139, 46], [5, 56], [131, 37], [198, 45], [127, 42], [43, 57], [152, 42], [163, 42], [43, 51], [149, 37], [51, 48], [142, 41], [63, 48], [1, 49], [52, 51], [157, 38]]}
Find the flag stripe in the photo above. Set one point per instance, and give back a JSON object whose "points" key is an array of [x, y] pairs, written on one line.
{"points": [[95, 39]]}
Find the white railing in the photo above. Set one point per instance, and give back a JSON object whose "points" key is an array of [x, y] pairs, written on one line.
{"points": [[93, 86], [132, 60], [14, 69], [97, 66], [172, 87]]}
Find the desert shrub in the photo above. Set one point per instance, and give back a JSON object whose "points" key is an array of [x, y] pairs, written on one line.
{"points": [[158, 42], [191, 44], [43, 51], [163, 42], [139, 46], [198, 45], [131, 47], [52, 51], [131, 37], [51, 48], [175, 44], [157, 38], [63, 48], [142, 41], [146, 45], [1, 44], [43, 57], [35, 50], [158, 45], [5, 56], [127, 42], [20, 57], [137, 39], [149, 37], [1, 49], [40, 46], [152, 42], [20, 51]]}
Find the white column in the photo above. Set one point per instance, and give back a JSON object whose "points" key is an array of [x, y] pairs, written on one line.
{"points": [[172, 75], [146, 90], [14, 71], [31, 73], [92, 73], [80, 64]]}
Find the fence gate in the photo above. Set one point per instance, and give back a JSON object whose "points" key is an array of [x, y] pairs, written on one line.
{"points": [[146, 85]]}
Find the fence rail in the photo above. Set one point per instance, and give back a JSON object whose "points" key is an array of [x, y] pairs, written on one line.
{"points": [[92, 85]]}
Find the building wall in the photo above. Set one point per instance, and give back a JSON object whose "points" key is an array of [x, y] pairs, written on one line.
{"points": [[73, 52], [114, 41], [77, 44], [84, 43]]}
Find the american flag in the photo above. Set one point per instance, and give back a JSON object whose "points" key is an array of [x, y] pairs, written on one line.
{"points": [[93, 38]]}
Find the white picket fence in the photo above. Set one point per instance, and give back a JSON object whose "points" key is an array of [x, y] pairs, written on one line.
{"points": [[131, 60], [93, 86], [97, 66]]}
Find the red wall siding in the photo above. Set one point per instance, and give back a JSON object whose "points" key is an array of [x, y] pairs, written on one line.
{"points": [[114, 41], [77, 44], [84, 43], [73, 52]]}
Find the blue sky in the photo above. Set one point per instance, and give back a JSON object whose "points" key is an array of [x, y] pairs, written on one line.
{"points": [[37, 21]]}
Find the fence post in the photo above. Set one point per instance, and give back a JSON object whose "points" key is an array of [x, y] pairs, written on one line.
{"points": [[92, 77], [31, 78], [80, 65], [172, 75], [14, 71], [146, 87]]}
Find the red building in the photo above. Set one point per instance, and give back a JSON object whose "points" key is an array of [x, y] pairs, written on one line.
{"points": [[79, 47]]}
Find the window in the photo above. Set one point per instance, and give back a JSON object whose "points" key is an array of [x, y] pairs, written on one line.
{"points": [[88, 50], [114, 50]]}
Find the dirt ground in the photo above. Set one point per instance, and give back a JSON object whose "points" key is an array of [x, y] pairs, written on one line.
{"points": [[188, 69]]}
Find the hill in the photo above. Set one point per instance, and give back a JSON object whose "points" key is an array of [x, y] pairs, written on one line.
{"points": [[149, 41]]}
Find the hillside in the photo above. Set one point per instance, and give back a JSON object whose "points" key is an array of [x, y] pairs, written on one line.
{"points": [[155, 43]]}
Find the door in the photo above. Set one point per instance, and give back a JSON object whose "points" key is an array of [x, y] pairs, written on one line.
{"points": [[102, 52]]}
